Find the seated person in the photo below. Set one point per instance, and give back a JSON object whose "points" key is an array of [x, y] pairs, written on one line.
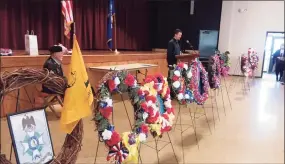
{"points": [[53, 63]]}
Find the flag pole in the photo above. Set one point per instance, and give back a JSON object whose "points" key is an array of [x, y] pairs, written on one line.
{"points": [[115, 34]]}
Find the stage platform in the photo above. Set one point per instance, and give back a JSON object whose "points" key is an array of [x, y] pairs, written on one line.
{"points": [[91, 59]]}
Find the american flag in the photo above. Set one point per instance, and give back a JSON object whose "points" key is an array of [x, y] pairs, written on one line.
{"points": [[66, 9]]}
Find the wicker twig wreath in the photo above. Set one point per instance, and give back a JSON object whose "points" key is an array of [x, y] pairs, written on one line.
{"points": [[19, 78], [215, 72], [225, 63], [156, 104], [180, 77], [199, 82], [121, 148]]}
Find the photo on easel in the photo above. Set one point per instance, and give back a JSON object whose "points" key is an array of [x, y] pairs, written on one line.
{"points": [[30, 136]]}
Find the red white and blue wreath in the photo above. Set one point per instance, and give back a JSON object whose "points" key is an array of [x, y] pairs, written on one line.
{"points": [[225, 63], [199, 83], [121, 148], [180, 77], [245, 66], [253, 59], [215, 72]]}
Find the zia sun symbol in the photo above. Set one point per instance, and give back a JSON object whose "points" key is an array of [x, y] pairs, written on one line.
{"points": [[33, 145]]}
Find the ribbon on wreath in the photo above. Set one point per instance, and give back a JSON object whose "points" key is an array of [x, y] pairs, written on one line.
{"points": [[119, 152]]}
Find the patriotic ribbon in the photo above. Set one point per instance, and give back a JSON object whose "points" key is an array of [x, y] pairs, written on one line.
{"points": [[119, 152]]}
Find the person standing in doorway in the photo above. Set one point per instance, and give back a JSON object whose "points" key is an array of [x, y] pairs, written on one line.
{"points": [[278, 60]]}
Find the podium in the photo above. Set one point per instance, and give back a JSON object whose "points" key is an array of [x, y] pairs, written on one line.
{"points": [[187, 58]]}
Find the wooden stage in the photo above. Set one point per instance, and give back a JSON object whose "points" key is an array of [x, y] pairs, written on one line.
{"points": [[91, 59]]}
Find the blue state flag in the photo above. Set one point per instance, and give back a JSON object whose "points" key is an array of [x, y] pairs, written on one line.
{"points": [[111, 14]]}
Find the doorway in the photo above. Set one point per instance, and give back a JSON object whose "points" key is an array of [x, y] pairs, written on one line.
{"points": [[272, 44]]}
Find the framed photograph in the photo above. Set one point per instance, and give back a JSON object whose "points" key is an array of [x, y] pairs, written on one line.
{"points": [[30, 136]]}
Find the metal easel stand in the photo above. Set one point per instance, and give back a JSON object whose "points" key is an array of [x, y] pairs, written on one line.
{"points": [[129, 120], [179, 115], [237, 71], [157, 140], [225, 83], [203, 113], [246, 85], [213, 97]]}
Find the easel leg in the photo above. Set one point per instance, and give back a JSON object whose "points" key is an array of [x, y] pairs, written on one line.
{"points": [[126, 111], [97, 149], [181, 135], [228, 94], [218, 113], [156, 148], [17, 107], [172, 148], [178, 115], [223, 101], [194, 128], [207, 119], [213, 113]]}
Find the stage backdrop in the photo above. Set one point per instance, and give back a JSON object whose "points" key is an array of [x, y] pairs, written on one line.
{"points": [[45, 18], [166, 16]]}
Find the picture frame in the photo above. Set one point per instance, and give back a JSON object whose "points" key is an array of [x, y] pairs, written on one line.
{"points": [[30, 135]]}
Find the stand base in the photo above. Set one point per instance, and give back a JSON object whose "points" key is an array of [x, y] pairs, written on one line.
{"points": [[116, 52]]}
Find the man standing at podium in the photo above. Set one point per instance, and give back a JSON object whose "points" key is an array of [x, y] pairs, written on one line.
{"points": [[173, 48]]}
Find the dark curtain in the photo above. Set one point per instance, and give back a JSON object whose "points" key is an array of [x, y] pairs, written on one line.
{"points": [[166, 16], [45, 19]]}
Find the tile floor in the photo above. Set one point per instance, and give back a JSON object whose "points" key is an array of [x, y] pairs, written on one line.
{"points": [[252, 132]]}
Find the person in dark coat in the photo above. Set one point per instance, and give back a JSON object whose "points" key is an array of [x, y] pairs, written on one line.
{"points": [[173, 49], [278, 60], [53, 63]]}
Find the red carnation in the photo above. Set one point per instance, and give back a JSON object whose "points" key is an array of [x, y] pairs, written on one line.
{"points": [[146, 92], [130, 80], [106, 112], [144, 106], [151, 120], [150, 111], [155, 80], [165, 116], [180, 65], [151, 98], [168, 91], [144, 128], [160, 77], [170, 110], [166, 129], [112, 85], [115, 138], [175, 78], [140, 92], [148, 79]]}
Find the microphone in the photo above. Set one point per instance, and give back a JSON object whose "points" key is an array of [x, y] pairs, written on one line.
{"points": [[191, 46], [187, 41]]}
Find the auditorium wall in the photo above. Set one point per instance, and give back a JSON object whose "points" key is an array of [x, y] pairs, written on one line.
{"points": [[247, 29], [166, 16]]}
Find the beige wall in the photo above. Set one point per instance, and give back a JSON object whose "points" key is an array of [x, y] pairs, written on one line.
{"points": [[242, 30]]}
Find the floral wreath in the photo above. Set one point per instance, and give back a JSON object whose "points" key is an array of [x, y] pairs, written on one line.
{"points": [[156, 104], [125, 147], [245, 66], [253, 59], [199, 82], [180, 77], [225, 63], [215, 72]]}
